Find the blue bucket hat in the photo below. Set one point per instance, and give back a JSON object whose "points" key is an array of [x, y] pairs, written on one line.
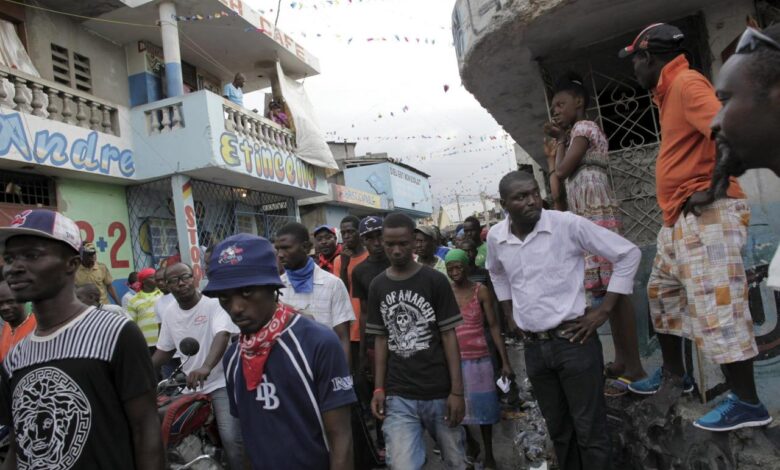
{"points": [[240, 261]]}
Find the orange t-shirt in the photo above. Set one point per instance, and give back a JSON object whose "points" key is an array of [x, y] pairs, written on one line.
{"points": [[9, 337], [354, 329], [687, 105]]}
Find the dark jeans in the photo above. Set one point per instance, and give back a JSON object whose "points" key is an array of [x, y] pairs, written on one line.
{"points": [[568, 383]]}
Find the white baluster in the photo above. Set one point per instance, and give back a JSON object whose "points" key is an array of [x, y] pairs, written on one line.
{"points": [[3, 94], [106, 122], [37, 99], [52, 109], [176, 121], [165, 122], [19, 98], [154, 121], [67, 111], [81, 114], [229, 123], [94, 116]]}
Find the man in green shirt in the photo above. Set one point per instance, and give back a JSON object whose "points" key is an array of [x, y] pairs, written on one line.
{"points": [[141, 308]]}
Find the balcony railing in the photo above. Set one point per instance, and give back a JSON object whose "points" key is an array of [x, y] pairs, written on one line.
{"points": [[254, 126], [50, 100], [165, 118]]}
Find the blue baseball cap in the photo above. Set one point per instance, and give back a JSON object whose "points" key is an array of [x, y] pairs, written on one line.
{"points": [[45, 224], [370, 224], [324, 227], [240, 261]]}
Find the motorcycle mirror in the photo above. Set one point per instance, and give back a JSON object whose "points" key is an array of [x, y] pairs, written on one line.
{"points": [[189, 346]]}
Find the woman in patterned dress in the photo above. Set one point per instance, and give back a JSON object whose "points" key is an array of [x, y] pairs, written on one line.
{"points": [[582, 159]]}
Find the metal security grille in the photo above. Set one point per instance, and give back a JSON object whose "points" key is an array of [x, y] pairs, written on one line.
{"points": [[220, 211], [26, 189]]}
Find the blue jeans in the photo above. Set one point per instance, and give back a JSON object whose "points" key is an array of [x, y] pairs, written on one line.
{"points": [[403, 428], [229, 429]]}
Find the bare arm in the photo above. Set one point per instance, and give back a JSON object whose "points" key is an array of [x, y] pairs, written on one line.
{"points": [[556, 187], [566, 161], [161, 357], [380, 367], [198, 376], [338, 430], [362, 328], [486, 300], [342, 331], [112, 293], [506, 307], [144, 423]]}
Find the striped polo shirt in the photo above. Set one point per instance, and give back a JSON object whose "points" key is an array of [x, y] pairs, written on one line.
{"points": [[141, 311]]}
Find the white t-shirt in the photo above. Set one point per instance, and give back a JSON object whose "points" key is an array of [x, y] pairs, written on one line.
{"points": [[163, 303], [329, 303], [202, 323], [126, 298]]}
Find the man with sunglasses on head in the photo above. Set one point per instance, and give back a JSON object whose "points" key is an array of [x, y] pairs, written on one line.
{"points": [[746, 127], [698, 287], [202, 318]]}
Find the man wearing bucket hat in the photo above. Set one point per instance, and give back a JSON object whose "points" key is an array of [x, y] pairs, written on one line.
{"points": [[85, 369], [287, 375], [698, 286]]}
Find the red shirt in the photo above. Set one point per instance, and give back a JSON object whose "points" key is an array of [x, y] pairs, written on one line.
{"points": [[10, 336], [687, 105]]}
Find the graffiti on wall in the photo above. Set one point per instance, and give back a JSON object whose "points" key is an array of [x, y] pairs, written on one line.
{"points": [[191, 223], [265, 162], [82, 151], [112, 241]]}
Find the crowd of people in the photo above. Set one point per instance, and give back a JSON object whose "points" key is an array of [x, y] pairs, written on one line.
{"points": [[294, 333]]}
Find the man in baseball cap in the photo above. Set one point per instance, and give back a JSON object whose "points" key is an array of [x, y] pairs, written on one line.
{"points": [[81, 387], [688, 275], [287, 376], [426, 242], [328, 248]]}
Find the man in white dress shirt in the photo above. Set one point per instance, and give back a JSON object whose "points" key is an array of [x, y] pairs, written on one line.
{"points": [[310, 289], [537, 264]]}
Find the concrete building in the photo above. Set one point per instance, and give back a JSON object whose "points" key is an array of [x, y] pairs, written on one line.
{"points": [[111, 112], [511, 52]]}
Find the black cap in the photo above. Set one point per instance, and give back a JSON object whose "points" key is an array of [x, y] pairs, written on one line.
{"points": [[656, 38]]}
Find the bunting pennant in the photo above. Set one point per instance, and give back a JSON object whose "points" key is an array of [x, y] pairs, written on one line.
{"points": [[201, 17]]}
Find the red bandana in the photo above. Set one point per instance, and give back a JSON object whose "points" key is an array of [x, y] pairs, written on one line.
{"points": [[327, 263], [256, 348]]}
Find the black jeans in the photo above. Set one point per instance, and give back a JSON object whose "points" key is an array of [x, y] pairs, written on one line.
{"points": [[568, 383]]}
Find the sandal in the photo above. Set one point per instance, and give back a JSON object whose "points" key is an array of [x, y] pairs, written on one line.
{"points": [[616, 387], [611, 371]]}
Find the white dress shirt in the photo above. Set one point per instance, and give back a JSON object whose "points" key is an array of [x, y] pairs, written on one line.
{"points": [[329, 303], [544, 275]]}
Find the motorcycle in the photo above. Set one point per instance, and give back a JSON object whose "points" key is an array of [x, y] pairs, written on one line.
{"points": [[189, 428]]}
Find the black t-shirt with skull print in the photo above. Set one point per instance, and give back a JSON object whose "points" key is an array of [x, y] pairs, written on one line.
{"points": [[64, 393], [413, 313]]}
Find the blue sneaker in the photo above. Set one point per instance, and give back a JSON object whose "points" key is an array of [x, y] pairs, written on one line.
{"points": [[651, 384], [733, 413]]}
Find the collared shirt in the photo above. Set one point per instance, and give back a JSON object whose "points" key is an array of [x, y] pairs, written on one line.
{"points": [[234, 94], [329, 303], [543, 275], [98, 275], [687, 105]]}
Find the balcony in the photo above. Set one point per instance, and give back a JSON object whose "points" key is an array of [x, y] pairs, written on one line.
{"points": [[50, 100], [61, 129], [209, 138]]}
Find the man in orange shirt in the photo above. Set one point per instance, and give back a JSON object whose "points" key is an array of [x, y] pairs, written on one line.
{"points": [[698, 287], [17, 323], [353, 254]]}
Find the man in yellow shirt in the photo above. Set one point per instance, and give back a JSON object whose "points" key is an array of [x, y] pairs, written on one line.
{"points": [[92, 272], [141, 308]]}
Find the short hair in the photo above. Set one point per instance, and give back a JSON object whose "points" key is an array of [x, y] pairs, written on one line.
{"points": [[296, 230], [572, 83], [133, 277], [180, 263], [399, 220], [88, 289], [763, 67], [472, 220], [511, 177], [352, 220], [467, 241]]}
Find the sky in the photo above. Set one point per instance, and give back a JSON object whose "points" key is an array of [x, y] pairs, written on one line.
{"points": [[381, 90]]}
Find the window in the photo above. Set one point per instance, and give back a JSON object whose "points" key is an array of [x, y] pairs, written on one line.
{"points": [[71, 70], [26, 189]]}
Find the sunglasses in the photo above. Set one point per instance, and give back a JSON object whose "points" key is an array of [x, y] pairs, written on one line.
{"points": [[752, 39]]}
